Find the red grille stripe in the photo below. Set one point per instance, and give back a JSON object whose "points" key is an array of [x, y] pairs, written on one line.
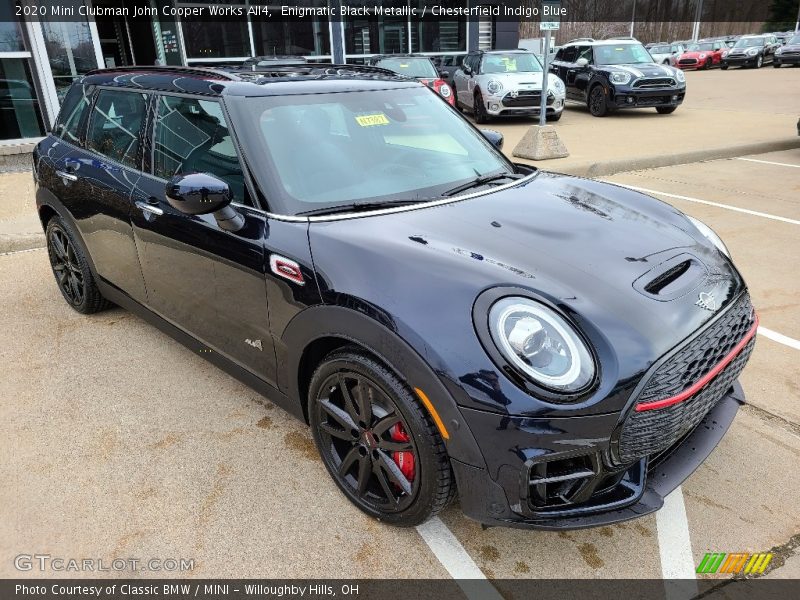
{"points": [[698, 385]]}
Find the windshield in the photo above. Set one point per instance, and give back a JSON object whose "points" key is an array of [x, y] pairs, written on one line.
{"points": [[660, 50], [315, 151], [700, 47], [511, 63], [410, 67], [794, 40], [623, 54], [749, 42]]}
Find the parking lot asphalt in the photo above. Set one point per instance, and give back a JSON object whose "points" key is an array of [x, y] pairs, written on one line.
{"points": [[119, 442]]}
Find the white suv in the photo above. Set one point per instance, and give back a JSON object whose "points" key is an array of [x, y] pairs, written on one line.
{"points": [[506, 83]]}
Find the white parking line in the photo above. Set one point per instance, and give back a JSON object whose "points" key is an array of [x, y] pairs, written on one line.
{"points": [[768, 162], [709, 203], [455, 559], [12, 252], [779, 337], [675, 548]]}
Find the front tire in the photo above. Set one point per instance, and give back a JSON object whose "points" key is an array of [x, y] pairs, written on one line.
{"points": [[481, 116], [376, 441], [597, 102], [554, 117], [759, 62], [71, 268], [724, 67], [665, 110], [776, 65]]}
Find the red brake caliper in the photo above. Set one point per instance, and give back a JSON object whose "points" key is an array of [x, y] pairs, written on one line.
{"points": [[404, 460]]}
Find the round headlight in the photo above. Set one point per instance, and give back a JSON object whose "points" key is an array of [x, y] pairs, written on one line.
{"points": [[710, 235], [724, 53], [679, 75], [702, 55], [444, 90], [752, 51], [557, 84], [541, 344], [494, 87], [621, 77]]}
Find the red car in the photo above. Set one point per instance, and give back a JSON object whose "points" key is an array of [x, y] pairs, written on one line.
{"points": [[418, 67], [702, 55]]}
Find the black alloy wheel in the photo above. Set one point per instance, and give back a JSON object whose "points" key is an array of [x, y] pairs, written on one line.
{"points": [[481, 116], [376, 441], [597, 102], [71, 269]]}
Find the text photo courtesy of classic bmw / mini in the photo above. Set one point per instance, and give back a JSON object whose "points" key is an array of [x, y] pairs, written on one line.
{"points": [[456, 299]]}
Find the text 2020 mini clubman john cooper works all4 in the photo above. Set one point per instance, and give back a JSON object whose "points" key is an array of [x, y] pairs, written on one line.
{"points": [[558, 352]]}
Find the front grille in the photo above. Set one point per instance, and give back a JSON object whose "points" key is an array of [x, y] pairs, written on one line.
{"points": [[650, 432], [655, 82], [526, 98], [687, 61]]}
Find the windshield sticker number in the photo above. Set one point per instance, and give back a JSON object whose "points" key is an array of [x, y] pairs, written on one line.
{"points": [[370, 120]]}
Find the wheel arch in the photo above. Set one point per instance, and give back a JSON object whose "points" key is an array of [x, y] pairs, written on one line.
{"points": [[48, 206], [317, 331]]}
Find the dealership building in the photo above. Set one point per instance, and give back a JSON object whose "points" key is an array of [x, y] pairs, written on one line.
{"points": [[41, 53]]}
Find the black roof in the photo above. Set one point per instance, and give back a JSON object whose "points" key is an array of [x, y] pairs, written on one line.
{"points": [[282, 79]]}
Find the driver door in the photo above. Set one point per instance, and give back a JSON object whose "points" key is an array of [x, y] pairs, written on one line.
{"points": [[207, 281]]}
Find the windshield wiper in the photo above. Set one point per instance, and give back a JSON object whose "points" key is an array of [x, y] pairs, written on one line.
{"points": [[359, 207], [482, 180]]}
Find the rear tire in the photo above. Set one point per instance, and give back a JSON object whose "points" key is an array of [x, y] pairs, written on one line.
{"points": [[481, 117], [376, 440], [665, 110], [71, 268], [597, 102]]}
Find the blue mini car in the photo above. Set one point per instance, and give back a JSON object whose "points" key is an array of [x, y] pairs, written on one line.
{"points": [[557, 352]]}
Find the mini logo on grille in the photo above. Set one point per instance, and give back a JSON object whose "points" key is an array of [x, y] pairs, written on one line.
{"points": [[514, 93], [706, 300]]}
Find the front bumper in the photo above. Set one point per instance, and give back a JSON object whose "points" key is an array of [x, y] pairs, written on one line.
{"points": [[740, 61], [787, 59], [630, 97], [506, 105], [502, 494]]}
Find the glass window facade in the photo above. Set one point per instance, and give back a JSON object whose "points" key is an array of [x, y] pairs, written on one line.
{"points": [[298, 38], [20, 115], [70, 50], [223, 38], [432, 34]]}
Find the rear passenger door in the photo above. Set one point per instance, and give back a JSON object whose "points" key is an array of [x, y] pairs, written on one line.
{"points": [[95, 176], [207, 281]]}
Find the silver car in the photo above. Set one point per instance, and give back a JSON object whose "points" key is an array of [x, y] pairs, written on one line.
{"points": [[666, 54], [506, 83]]}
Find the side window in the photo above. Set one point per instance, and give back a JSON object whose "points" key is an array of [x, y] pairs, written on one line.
{"points": [[585, 52], [76, 105], [191, 136], [570, 54], [115, 123]]}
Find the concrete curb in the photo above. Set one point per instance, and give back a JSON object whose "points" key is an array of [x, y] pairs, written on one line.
{"points": [[13, 242], [600, 169]]}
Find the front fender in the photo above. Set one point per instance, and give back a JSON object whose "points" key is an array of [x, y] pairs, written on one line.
{"points": [[346, 324]]}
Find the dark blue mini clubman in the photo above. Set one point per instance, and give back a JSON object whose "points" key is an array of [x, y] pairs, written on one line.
{"points": [[557, 352]]}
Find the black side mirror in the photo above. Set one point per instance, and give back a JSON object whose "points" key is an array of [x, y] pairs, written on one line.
{"points": [[201, 194], [495, 137], [444, 74], [467, 70]]}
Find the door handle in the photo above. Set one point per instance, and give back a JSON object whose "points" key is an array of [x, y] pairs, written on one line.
{"points": [[67, 176], [149, 208]]}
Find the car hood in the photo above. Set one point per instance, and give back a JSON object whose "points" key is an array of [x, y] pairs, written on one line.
{"points": [[696, 53], [588, 247], [509, 80], [645, 70], [790, 47]]}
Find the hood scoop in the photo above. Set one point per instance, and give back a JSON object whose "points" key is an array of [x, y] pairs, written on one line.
{"points": [[672, 278]]}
